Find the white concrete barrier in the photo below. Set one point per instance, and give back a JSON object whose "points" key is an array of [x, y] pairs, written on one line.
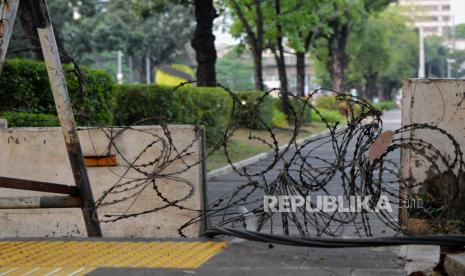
{"points": [[40, 154], [440, 103]]}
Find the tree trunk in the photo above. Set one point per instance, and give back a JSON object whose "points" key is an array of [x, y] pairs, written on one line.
{"points": [[300, 68], [204, 42], [258, 69], [26, 17], [336, 72], [281, 64], [338, 57], [254, 38], [371, 88]]}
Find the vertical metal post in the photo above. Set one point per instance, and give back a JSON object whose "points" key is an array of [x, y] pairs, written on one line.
{"points": [[421, 69], [8, 10], [450, 61], [147, 69], [130, 69], [119, 74], [65, 114], [204, 224]]}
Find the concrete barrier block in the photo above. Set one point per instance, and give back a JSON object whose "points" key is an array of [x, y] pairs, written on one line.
{"points": [[40, 154], [439, 103]]}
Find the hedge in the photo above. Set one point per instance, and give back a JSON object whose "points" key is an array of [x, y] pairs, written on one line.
{"points": [[23, 119], [297, 106], [24, 85], [186, 105], [257, 110], [331, 116], [385, 105]]}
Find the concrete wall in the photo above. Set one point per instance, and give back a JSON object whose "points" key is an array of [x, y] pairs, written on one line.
{"points": [[439, 103], [40, 154]]}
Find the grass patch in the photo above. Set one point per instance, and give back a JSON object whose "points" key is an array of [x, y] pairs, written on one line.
{"points": [[241, 147]]}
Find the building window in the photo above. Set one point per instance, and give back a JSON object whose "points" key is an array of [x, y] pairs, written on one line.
{"points": [[428, 18], [445, 7], [430, 29]]}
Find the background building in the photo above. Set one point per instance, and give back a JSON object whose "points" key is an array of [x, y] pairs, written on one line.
{"points": [[434, 17], [271, 76]]}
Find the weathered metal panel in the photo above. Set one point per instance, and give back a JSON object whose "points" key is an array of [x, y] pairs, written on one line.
{"points": [[35, 202]]}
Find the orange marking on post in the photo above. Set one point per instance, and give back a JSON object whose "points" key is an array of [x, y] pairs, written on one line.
{"points": [[100, 161]]}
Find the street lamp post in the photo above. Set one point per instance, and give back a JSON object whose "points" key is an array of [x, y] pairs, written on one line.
{"points": [[421, 69], [119, 74], [450, 61]]}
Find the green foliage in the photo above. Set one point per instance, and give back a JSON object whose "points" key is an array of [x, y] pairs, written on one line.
{"points": [[437, 54], [384, 52], [301, 109], [210, 107], [25, 119], [331, 116], [24, 85], [460, 31], [157, 28], [235, 72], [257, 110], [279, 119], [385, 105], [326, 102], [298, 106]]}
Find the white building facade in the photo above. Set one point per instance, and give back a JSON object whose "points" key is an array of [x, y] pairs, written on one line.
{"points": [[434, 17]]}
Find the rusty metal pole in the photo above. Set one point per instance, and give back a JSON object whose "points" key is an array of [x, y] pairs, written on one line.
{"points": [[65, 113], [8, 10]]}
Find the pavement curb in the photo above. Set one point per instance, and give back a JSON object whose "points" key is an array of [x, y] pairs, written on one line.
{"points": [[243, 163]]}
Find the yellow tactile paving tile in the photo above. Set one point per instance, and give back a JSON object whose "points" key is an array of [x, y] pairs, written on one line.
{"points": [[45, 271], [80, 257]]}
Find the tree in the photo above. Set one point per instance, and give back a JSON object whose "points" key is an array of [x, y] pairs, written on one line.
{"points": [[343, 17], [159, 33], [249, 25], [460, 31], [301, 27], [203, 42], [383, 53], [235, 71]]}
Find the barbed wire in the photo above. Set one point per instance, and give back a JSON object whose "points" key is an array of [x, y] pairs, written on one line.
{"points": [[298, 169], [337, 160]]}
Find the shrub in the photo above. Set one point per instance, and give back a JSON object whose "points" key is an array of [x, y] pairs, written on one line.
{"points": [[24, 85], [326, 102], [186, 105], [385, 105], [279, 119], [257, 110], [24, 119], [331, 116], [298, 105]]}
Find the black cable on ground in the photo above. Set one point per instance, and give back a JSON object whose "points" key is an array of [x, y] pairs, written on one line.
{"points": [[439, 239]]}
